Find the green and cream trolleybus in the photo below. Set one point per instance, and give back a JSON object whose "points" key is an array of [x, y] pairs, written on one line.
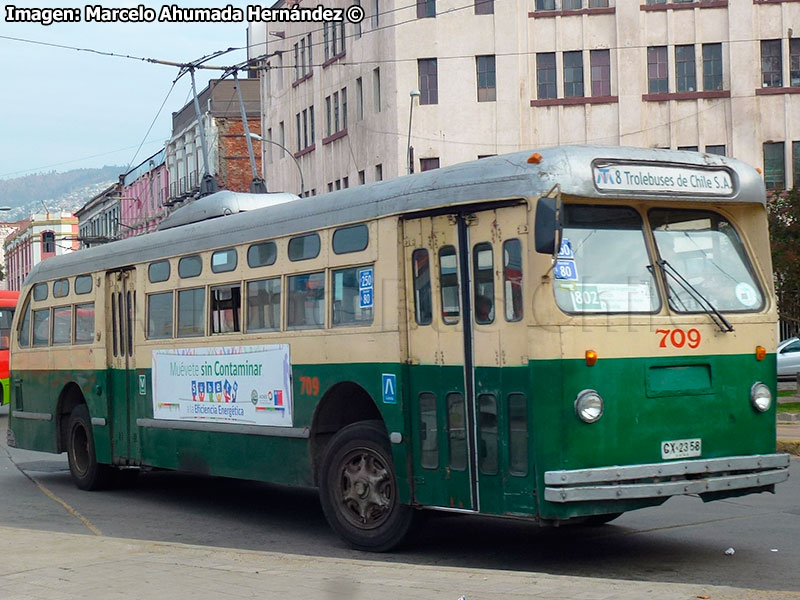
{"points": [[555, 336]]}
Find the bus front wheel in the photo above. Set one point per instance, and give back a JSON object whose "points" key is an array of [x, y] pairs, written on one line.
{"points": [[86, 472], [358, 489]]}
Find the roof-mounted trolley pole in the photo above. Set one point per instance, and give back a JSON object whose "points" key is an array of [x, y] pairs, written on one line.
{"points": [[209, 184], [257, 185]]}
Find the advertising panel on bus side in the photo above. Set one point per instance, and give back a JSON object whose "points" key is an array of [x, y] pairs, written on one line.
{"points": [[249, 385]]}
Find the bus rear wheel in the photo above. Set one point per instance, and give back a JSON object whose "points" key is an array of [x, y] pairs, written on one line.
{"points": [[358, 489], [86, 472]]}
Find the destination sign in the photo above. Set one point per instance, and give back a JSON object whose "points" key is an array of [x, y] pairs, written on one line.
{"points": [[662, 179]]}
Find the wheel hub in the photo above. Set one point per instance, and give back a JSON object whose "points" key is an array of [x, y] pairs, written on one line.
{"points": [[366, 489]]}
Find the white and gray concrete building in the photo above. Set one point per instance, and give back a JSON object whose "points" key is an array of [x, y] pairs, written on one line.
{"points": [[495, 76]]}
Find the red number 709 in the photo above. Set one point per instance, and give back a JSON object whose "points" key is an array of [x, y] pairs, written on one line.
{"points": [[679, 338]]}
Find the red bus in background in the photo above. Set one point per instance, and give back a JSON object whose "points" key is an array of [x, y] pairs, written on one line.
{"points": [[8, 304]]}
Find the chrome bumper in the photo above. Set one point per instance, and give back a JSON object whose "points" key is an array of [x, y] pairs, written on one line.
{"points": [[660, 480]]}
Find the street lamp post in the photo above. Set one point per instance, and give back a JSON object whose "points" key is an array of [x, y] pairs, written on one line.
{"points": [[412, 94], [255, 136]]}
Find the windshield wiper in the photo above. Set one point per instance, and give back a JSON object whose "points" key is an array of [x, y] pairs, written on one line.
{"points": [[719, 320]]}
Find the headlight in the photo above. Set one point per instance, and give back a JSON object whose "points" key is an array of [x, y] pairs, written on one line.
{"points": [[589, 406], [760, 397]]}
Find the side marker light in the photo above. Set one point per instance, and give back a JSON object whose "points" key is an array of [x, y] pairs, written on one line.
{"points": [[591, 358], [761, 353]]}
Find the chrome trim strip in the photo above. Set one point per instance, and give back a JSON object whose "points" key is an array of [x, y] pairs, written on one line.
{"points": [[667, 469], [99, 421], [31, 416], [288, 432], [672, 488]]}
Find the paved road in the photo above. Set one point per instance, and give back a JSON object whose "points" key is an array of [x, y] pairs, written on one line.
{"points": [[683, 541]]}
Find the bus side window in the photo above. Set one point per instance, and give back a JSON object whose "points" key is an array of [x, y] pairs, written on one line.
{"points": [[487, 423], [226, 303], [457, 431], [428, 431], [512, 279], [423, 306], [305, 307], [483, 276], [41, 327], [517, 435], [348, 297], [159, 316], [24, 337], [448, 280], [191, 313], [264, 305]]}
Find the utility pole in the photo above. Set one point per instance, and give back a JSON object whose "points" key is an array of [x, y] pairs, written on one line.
{"points": [[209, 184], [257, 185]]}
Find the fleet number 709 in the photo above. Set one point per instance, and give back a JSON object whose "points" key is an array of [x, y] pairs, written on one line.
{"points": [[678, 338]]}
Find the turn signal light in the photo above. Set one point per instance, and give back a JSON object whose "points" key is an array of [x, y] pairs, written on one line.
{"points": [[535, 158], [761, 353], [591, 358]]}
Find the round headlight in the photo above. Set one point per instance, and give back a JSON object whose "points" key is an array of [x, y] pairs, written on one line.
{"points": [[760, 397], [589, 406]]}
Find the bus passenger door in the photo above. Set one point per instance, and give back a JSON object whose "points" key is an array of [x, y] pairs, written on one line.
{"points": [[120, 387], [468, 354], [498, 278], [437, 392]]}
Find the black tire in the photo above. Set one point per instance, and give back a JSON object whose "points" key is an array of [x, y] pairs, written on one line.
{"points": [[358, 489], [86, 472]]}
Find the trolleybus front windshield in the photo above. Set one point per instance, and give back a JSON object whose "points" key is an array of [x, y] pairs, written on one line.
{"points": [[706, 250], [603, 264]]}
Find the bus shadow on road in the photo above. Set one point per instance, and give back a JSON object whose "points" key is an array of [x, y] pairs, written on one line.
{"points": [[246, 515]]}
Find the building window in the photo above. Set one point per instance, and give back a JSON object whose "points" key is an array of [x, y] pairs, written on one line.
{"points": [[428, 164], [487, 83], [712, 67], [299, 133], [719, 149], [426, 9], [282, 130], [378, 172], [296, 62], [573, 74], [428, 81], [48, 242], [357, 26], [685, 70], [359, 99], [362, 177], [268, 148], [657, 70], [774, 174], [484, 7], [771, 75], [376, 88], [794, 62], [600, 61], [571, 4], [375, 14], [546, 74], [546, 5]]}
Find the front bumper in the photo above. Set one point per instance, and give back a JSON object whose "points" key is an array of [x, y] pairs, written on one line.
{"points": [[661, 480]]}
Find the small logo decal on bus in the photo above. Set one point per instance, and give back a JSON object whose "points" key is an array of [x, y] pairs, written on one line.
{"points": [[389, 385]]}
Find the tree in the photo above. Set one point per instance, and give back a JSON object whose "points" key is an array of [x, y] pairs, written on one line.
{"points": [[784, 232]]}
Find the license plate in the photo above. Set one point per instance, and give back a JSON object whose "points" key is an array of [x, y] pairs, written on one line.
{"points": [[681, 448]]}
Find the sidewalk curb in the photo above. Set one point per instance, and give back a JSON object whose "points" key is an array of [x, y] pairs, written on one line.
{"points": [[789, 446]]}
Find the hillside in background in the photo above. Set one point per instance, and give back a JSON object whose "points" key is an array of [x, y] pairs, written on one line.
{"points": [[66, 191]]}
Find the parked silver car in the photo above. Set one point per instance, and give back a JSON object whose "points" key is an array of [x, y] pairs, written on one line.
{"points": [[789, 358]]}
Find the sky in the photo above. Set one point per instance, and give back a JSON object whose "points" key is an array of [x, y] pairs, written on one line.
{"points": [[63, 109]]}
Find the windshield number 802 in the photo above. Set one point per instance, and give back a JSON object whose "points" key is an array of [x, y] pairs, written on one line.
{"points": [[678, 338]]}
